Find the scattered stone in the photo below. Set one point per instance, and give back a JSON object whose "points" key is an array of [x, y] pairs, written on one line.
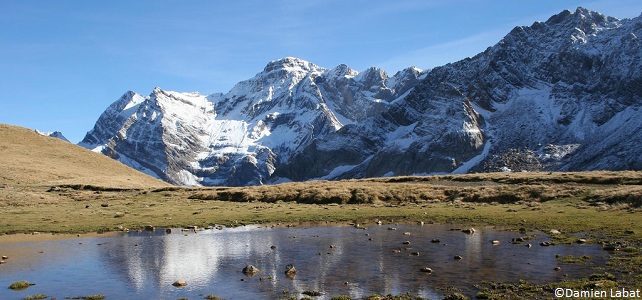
{"points": [[421, 223], [21, 285], [529, 245], [458, 257], [414, 253], [468, 230], [149, 228], [250, 270], [406, 233], [272, 247], [456, 296], [406, 243], [392, 228], [555, 231], [104, 205], [581, 241], [379, 222], [54, 189], [426, 270], [435, 241], [2, 262], [495, 242], [86, 206], [546, 244], [396, 251], [346, 283], [180, 283], [557, 269], [168, 230], [290, 270], [312, 293], [332, 246], [5, 257]]}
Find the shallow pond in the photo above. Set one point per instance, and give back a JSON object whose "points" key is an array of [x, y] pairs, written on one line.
{"points": [[143, 265]]}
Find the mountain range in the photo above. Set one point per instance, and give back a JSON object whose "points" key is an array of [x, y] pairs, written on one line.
{"points": [[564, 94]]}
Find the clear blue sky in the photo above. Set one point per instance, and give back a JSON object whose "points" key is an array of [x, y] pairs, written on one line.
{"points": [[63, 62]]}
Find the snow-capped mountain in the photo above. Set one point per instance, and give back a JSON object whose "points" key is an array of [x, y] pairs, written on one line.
{"points": [[564, 94], [54, 134], [243, 136]]}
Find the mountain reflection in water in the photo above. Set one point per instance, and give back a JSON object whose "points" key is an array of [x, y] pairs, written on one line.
{"points": [[144, 264]]}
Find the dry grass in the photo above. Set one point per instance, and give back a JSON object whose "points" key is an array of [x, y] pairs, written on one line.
{"points": [[28, 158], [594, 187]]}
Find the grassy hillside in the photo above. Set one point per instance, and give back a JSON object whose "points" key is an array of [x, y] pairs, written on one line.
{"points": [[28, 158]]}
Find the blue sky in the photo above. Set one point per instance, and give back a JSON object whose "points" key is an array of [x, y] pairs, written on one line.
{"points": [[64, 62]]}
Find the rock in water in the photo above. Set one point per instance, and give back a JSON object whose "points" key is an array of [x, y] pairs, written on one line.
{"points": [[290, 270], [250, 270], [468, 230], [180, 283]]}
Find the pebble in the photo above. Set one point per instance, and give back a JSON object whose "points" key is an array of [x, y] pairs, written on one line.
{"points": [[458, 257], [426, 270]]}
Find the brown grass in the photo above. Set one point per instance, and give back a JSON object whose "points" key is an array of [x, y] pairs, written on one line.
{"points": [[28, 158], [593, 187]]}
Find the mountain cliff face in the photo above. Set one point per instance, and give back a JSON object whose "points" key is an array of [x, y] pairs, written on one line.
{"points": [[243, 136], [564, 94]]}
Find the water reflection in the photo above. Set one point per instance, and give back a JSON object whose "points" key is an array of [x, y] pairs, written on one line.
{"points": [[144, 265]]}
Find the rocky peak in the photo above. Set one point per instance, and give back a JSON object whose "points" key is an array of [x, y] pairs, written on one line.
{"points": [[342, 71], [289, 64], [404, 79], [372, 75], [582, 19]]}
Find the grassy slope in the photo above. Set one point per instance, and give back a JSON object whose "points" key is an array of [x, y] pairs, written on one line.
{"points": [[28, 158]]}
